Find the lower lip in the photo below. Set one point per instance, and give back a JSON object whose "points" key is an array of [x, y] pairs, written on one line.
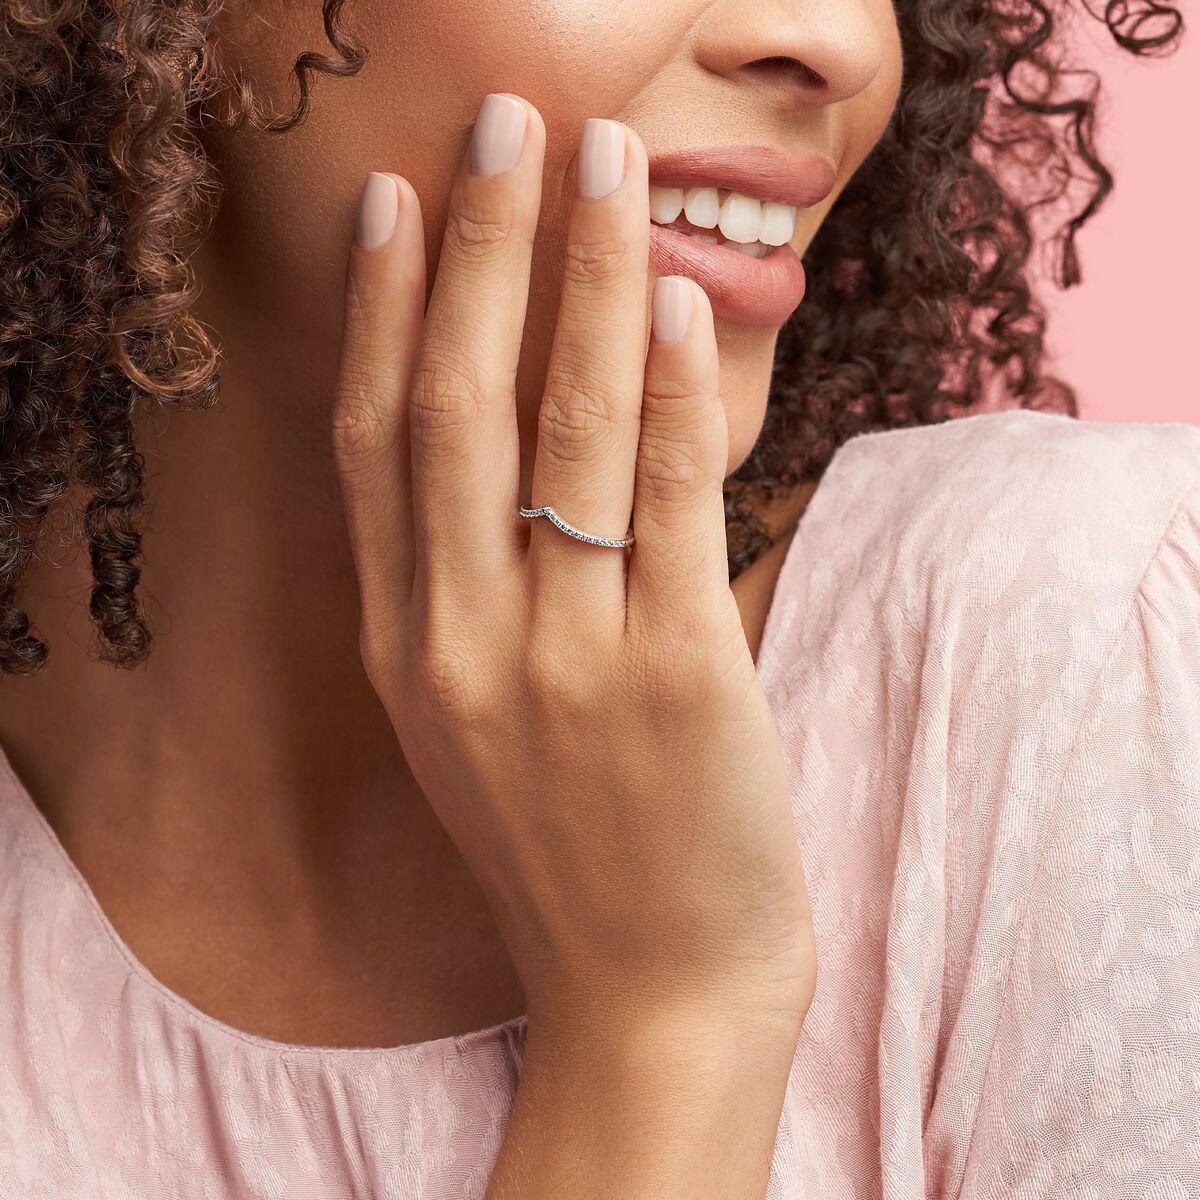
{"points": [[749, 291]]}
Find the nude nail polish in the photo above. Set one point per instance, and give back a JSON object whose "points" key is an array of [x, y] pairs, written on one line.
{"points": [[498, 135], [601, 158], [378, 207], [671, 308]]}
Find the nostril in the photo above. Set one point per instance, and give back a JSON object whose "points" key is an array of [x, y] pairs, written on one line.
{"points": [[791, 69]]}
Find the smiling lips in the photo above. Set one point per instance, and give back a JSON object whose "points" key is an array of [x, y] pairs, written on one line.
{"points": [[706, 203]]}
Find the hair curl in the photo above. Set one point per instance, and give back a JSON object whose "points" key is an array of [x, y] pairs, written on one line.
{"points": [[919, 305]]}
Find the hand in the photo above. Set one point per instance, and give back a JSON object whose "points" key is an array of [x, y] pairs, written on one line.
{"points": [[586, 722]]}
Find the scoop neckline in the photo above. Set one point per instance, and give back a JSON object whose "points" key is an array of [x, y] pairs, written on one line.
{"points": [[454, 1043]]}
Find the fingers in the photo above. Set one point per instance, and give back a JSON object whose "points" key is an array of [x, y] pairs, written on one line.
{"points": [[384, 304], [588, 421], [679, 556], [462, 415]]}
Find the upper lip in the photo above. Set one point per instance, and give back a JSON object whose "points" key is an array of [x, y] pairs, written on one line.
{"points": [[757, 171]]}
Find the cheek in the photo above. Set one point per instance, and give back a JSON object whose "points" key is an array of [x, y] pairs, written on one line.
{"points": [[430, 63], [866, 115], [861, 121], [573, 59], [878, 102], [412, 108]]}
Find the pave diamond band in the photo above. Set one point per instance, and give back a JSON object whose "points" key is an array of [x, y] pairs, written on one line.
{"points": [[567, 527]]}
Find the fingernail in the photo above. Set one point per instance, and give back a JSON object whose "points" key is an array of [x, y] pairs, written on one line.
{"points": [[498, 136], [378, 207], [672, 308], [601, 157]]}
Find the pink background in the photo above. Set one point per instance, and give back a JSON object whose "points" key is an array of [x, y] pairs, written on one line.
{"points": [[1126, 338]]}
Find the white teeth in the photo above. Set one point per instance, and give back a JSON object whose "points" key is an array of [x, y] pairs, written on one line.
{"points": [[745, 224], [707, 238], [702, 207], [741, 218], [778, 224], [665, 204]]}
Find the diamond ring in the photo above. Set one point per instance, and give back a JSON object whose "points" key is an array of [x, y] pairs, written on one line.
{"points": [[567, 527]]}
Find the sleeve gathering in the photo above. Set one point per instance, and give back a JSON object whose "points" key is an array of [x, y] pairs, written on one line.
{"points": [[1092, 1088]]}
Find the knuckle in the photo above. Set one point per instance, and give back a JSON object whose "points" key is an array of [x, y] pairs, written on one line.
{"points": [[446, 393], [554, 684], [361, 428], [574, 419], [364, 299], [679, 669], [375, 651], [476, 235], [595, 261], [675, 397], [660, 674], [672, 471], [447, 680]]}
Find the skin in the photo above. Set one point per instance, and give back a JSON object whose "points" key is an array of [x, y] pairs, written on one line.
{"points": [[241, 806]]}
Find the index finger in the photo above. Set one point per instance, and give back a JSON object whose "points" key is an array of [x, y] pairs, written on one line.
{"points": [[381, 328]]}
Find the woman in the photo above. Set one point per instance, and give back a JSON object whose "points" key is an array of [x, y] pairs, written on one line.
{"points": [[435, 850]]}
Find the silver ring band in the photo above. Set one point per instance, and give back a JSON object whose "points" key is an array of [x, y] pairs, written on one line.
{"points": [[567, 527]]}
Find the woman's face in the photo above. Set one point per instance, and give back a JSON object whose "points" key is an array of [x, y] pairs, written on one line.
{"points": [[802, 77]]}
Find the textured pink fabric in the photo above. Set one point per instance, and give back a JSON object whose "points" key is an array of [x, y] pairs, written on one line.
{"points": [[984, 656]]}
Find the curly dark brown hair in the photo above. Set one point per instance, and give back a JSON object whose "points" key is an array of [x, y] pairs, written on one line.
{"points": [[919, 305]]}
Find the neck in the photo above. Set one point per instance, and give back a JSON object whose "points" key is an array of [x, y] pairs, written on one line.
{"points": [[254, 685], [253, 682], [239, 803]]}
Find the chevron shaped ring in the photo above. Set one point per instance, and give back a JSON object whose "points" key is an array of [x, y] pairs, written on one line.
{"points": [[557, 521]]}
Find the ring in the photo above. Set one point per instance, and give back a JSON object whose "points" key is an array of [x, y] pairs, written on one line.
{"points": [[567, 527]]}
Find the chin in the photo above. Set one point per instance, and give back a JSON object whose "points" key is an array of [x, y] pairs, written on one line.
{"points": [[740, 445], [747, 357]]}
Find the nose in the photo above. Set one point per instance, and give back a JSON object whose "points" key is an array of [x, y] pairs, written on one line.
{"points": [[816, 51]]}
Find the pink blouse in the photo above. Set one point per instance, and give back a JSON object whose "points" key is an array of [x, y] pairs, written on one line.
{"points": [[984, 656]]}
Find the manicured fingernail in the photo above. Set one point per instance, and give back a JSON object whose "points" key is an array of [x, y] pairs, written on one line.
{"points": [[498, 136], [672, 307], [378, 207], [601, 157]]}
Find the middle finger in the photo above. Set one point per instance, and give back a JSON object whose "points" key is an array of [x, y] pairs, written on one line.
{"points": [[588, 422]]}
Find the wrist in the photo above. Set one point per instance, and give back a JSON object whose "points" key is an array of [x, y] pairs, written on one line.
{"points": [[677, 1032], [648, 1100]]}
